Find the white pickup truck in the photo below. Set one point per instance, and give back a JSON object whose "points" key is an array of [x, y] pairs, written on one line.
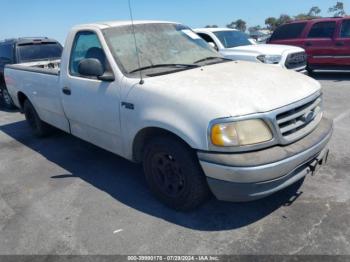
{"points": [[235, 45], [198, 123]]}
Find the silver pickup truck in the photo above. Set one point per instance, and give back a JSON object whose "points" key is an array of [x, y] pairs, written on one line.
{"points": [[198, 123]]}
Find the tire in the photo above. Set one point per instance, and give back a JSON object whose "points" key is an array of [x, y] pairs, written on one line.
{"points": [[7, 100], [310, 71], [39, 128], [174, 175]]}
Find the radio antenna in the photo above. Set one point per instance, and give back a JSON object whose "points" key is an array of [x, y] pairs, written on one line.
{"points": [[135, 42]]}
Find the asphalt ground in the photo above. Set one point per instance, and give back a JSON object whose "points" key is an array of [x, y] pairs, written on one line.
{"points": [[61, 195]]}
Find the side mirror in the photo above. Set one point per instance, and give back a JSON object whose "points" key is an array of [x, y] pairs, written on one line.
{"points": [[93, 67], [213, 45], [90, 67]]}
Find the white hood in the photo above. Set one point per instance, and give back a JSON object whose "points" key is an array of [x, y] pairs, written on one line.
{"points": [[266, 49], [233, 89]]}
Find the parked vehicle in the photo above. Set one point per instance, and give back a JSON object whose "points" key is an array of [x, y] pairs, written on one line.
{"points": [[261, 36], [196, 121], [326, 41], [24, 50], [235, 45]]}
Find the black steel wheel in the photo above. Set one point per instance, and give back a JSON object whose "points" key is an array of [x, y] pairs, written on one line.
{"points": [[39, 128], [174, 175], [168, 174]]}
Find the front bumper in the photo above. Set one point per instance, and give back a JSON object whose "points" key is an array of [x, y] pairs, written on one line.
{"points": [[301, 69], [254, 175]]}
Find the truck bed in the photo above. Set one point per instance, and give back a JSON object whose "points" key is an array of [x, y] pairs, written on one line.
{"points": [[43, 67], [40, 82]]}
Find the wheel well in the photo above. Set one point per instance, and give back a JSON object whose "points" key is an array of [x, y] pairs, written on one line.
{"points": [[145, 135], [21, 99]]}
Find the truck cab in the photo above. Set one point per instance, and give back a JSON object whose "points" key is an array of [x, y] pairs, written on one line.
{"points": [[199, 123]]}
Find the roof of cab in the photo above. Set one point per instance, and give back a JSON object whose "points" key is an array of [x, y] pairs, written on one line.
{"points": [[109, 24], [316, 20], [28, 40]]}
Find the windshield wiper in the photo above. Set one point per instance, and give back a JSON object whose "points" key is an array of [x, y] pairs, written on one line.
{"points": [[211, 58], [164, 65]]}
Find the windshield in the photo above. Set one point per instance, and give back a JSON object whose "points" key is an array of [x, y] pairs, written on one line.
{"points": [[231, 39], [162, 48], [36, 52]]}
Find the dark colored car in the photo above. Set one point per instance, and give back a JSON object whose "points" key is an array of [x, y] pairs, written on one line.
{"points": [[24, 50], [326, 41]]}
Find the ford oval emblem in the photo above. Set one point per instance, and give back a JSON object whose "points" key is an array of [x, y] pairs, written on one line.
{"points": [[308, 117]]}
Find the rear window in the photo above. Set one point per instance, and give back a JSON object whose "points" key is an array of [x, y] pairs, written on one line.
{"points": [[322, 30], [345, 29], [36, 52], [289, 31], [6, 52]]}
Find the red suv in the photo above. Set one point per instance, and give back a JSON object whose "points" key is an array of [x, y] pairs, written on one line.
{"points": [[326, 41]]}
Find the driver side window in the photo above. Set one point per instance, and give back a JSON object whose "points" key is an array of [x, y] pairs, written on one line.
{"points": [[86, 45]]}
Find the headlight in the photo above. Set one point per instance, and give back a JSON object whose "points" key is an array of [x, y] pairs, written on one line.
{"points": [[270, 59], [242, 133]]}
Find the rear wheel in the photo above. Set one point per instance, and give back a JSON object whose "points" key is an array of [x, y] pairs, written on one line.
{"points": [[174, 175], [39, 128], [7, 100]]}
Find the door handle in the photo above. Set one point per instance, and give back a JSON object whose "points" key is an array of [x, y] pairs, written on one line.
{"points": [[339, 43], [308, 44], [66, 91]]}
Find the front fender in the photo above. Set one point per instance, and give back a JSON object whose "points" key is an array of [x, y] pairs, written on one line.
{"points": [[189, 130]]}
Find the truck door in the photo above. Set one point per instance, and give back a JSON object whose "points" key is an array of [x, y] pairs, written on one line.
{"points": [[320, 44], [91, 105], [342, 43]]}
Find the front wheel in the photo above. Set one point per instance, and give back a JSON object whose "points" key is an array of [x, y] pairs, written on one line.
{"points": [[174, 175], [39, 128], [7, 100], [310, 71]]}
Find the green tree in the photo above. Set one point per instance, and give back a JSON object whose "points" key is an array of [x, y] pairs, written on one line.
{"points": [[239, 24], [271, 23], [302, 16], [314, 11], [254, 28], [338, 9], [283, 19]]}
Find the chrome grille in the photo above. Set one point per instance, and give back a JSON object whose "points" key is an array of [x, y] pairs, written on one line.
{"points": [[298, 121], [296, 60]]}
